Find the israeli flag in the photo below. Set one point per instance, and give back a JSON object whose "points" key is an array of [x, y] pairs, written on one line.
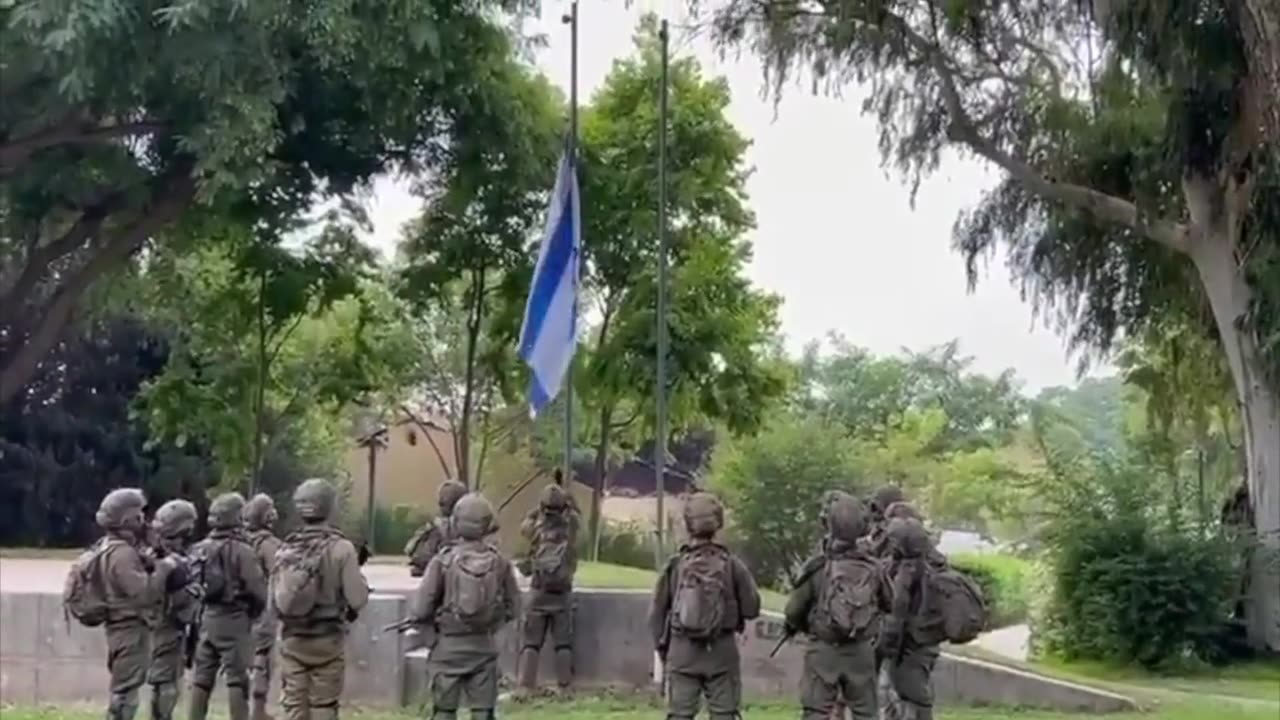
{"points": [[549, 334]]}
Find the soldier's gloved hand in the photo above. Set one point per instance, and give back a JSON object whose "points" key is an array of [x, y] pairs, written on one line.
{"points": [[363, 554], [179, 575], [352, 615]]}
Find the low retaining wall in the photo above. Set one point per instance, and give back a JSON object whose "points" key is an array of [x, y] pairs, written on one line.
{"points": [[43, 659]]}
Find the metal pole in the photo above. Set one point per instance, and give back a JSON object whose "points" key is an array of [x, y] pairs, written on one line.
{"points": [[373, 475], [660, 426], [572, 151]]}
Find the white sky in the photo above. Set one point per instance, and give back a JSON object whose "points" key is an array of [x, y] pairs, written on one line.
{"points": [[837, 238]]}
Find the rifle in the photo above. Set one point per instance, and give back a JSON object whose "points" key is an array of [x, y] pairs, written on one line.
{"points": [[786, 636], [191, 639], [401, 625]]}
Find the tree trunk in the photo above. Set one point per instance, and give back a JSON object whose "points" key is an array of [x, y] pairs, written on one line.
{"points": [[1260, 26], [1230, 296], [597, 485], [260, 392], [475, 314]]}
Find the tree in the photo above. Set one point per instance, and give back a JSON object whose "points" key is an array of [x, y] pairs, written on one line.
{"points": [[719, 325], [270, 349], [1138, 166], [465, 259], [69, 440], [773, 483], [118, 120]]}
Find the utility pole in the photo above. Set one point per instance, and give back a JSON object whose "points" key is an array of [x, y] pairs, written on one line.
{"points": [[376, 440], [660, 392], [572, 20]]}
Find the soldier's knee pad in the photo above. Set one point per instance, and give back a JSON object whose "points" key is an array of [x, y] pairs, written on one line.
{"points": [[123, 706]]}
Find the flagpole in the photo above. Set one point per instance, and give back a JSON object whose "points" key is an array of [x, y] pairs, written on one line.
{"points": [[572, 151], [660, 429]]}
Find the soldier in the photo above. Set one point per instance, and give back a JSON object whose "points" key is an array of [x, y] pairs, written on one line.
{"points": [[839, 602], [881, 499], [235, 594], [468, 593], [172, 529], [130, 588], [317, 589], [908, 657], [552, 531], [260, 516], [703, 597], [432, 537]]}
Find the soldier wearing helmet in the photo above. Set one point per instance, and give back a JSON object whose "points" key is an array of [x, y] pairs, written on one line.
{"points": [[436, 534], [552, 531], [468, 593], [838, 601], [172, 529], [132, 588], [260, 518], [908, 663], [702, 599], [317, 590], [235, 594]]}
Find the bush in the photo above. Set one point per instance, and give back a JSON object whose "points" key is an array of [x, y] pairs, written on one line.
{"points": [[623, 543], [394, 527], [1127, 591], [1005, 582]]}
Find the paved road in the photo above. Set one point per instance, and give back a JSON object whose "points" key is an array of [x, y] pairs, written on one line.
{"points": [[1011, 642]]}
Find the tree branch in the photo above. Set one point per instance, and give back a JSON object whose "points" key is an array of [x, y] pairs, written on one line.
{"points": [[39, 258], [426, 431], [14, 153], [174, 193], [1100, 205]]}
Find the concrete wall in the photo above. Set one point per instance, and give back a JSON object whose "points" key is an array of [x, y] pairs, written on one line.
{"points": [[43, 659]]}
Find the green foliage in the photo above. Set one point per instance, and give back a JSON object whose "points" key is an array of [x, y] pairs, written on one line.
{"points": [[627, 544], [1006, 584], [773, 482], [393, 527], [1126, 585]]}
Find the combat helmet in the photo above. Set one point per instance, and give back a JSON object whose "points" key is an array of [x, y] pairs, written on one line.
{"points": [[829, 498], [227, 511], [314, 500], [703, 514], [122, 509], [908, 538], [450, 493], [903, 509], [472, 516], [260, 512], [175, 518], [553, 497], [847, 517], [882, 498]]}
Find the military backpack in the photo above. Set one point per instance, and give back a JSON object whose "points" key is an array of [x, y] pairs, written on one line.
{"points": [[296, 574], [952, 608], [552, 557], [84, 594], [848, 602], [213, 572], [702, 584], [472, 585]]}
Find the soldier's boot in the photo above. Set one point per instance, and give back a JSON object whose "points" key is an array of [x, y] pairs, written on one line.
{"points": [[527, 671], [564, 668], [122, 706], [199, 707], [164, 698], [237, 703], [444, 714], [488, 714]]}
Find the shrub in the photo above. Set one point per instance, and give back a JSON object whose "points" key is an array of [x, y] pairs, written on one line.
{"points": [[624, 543], [394, 527], [1005, 582], [1126, 588]]}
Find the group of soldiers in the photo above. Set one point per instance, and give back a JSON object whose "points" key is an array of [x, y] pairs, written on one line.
{"points": [[219, 605], [861, 599]]}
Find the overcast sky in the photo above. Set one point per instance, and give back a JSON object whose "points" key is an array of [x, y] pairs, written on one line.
{"points": [[837, 238]]}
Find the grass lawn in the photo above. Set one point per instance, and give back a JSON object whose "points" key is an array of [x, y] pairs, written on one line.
{"points": [[633, 709]]}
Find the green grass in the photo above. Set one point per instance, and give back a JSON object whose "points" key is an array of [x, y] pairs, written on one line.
{"points": [[631, 708], [30, 553], [1005, 579]]}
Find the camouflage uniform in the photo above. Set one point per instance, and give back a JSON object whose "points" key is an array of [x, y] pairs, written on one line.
{"points": [[697, 668], [172, 528], [908, 659], [131, 589], [463, 664], [312, 663], [226, 642], [260, 516], [436, 535], [549, 611], [839, 672]]}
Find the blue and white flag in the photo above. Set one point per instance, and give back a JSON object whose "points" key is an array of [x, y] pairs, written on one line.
{"points": [[549, 334]]}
